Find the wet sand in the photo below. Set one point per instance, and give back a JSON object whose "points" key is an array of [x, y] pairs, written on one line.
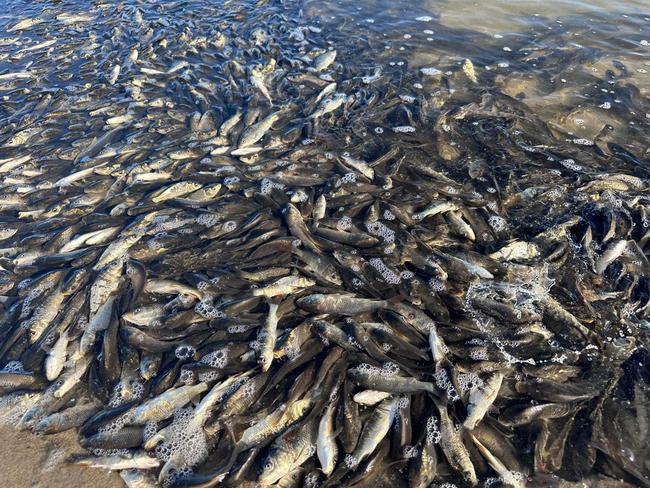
{"points": [[37, 462]]}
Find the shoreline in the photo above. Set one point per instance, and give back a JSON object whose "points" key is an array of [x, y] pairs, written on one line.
{"points": [[31, 461]]}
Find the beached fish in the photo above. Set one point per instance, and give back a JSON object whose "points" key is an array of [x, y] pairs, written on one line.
{"points": [[254, 246]]}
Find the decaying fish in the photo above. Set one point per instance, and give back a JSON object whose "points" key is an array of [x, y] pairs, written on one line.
{"points": [[242, 247]]}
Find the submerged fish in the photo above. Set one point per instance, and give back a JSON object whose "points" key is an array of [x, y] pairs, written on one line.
{"points": [[242, 247]]}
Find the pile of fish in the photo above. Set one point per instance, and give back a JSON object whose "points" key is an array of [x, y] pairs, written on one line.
{"points": [[231, 253]]}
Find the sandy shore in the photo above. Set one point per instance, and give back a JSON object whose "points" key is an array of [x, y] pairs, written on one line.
{"points": [[29, 461]]}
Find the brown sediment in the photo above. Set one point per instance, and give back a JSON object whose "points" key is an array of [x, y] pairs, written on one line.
{"points": [[29, 461]]}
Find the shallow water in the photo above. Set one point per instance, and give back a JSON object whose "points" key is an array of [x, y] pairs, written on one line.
{"points": [[188, 197], [555, 56]]}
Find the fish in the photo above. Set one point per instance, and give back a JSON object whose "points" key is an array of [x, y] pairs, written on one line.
{"points": [[140, 460], [268, 337], [378, 380], [370, 397], [283, 286], [255, 132], [287, 453], [326, 448], [375, 428], [250, 246], [55, 360], [163, 406], [454, 449], [324, 60], [339, 304], [480, 400]]}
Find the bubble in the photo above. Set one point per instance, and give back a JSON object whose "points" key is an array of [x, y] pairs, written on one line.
{"points": [[177, 476], [410, 452], [150, 429], [571, 164], [387, 274], [380, 230], [208, 376], [403, 403], [268, 185], [216, 359], [123, 393], [237, 329], [55, 458], [185, 441], [310, 450], [390, 369], [350, 461], [349, 178], [187, 377], [207, 219], [430, 72], [583, 142], [404, 129], [520, 477], [137, 389], [206, 309], [248, 390], [14, 367], [442, 381], [469, 382], [111, 452], [433, 435], [344, 223], [499, 224], [436, 285], [116, 425], [311, 480], [184, 351]]}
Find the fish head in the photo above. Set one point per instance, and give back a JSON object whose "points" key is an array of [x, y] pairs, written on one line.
{"points": [[272, 470]]}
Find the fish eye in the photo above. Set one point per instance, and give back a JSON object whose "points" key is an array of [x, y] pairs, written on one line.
{"points": [[411, 316], [268, 466]]}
